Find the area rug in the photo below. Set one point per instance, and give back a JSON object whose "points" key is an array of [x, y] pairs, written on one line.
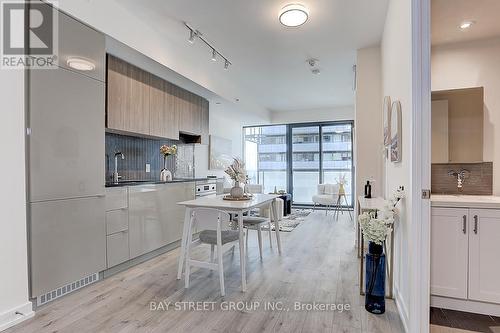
{"points": [[290, 222]]}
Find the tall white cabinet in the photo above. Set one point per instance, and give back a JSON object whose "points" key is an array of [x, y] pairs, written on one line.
{"points": [[465, 261]]}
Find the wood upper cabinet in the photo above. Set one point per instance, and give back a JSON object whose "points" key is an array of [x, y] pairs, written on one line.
{"points": [[128, 97], [190, 112], [204, 121], [141, 103], [164, 118]]}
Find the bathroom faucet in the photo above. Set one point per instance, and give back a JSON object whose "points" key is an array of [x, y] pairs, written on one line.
{"points": [[461, 175], [116, 176]]}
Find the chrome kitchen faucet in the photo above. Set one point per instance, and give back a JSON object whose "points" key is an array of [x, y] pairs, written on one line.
{"points": [[116, 176]]}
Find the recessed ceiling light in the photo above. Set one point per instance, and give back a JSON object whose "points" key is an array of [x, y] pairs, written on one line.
{"points": [[293, 15], [466, 25], [80, 64]]}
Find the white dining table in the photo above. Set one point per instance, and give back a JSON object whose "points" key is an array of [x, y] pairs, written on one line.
{"points": [[232, 207]]}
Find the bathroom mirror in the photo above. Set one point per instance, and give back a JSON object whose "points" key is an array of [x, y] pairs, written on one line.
{"points": [[457, 125]]}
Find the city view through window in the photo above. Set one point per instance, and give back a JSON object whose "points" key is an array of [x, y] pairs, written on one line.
{"points": [[298, 157]]}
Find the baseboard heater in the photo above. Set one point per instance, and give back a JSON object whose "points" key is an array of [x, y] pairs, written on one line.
{"points": [[66, 289]]}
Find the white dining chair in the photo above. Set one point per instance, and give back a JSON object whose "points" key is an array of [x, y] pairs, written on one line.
{"points": [[216, 232], [256, 223]]}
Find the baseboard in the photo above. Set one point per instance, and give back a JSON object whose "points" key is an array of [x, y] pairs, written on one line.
{"points": [[489, 309], [402, 310], [16, 315]]}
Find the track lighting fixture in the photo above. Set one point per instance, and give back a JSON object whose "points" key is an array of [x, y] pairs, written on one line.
{"points": [[195, 34], [192, 36]]}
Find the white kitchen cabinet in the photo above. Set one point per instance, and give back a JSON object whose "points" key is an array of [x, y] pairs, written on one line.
{"points": [[449, 252], [484, 265], [117, 248], [155, 219]]}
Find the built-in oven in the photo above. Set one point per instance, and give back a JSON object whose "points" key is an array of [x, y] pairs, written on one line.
{"points": [[206, 189]]}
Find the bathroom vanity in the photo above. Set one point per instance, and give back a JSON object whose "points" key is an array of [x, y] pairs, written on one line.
{"points": [[465, 256]]}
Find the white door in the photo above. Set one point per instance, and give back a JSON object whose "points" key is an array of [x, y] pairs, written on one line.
{"points": [[484, 272], [449, 252]]}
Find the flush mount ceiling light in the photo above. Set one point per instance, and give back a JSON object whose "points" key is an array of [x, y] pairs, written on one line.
{"points": [[466, 25], [293, 15], [80, 64]]}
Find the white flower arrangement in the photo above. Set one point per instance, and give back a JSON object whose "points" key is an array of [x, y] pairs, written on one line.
{"points": [[236, 171], [377, 226], [375, 229], [342, 179]]}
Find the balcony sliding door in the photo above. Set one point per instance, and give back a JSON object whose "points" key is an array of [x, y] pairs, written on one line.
{"points": [[337, 157], [305, 169]]}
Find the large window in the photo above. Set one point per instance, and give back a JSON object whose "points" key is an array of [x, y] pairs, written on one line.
{"points": [[298, 157], [266, 156]]}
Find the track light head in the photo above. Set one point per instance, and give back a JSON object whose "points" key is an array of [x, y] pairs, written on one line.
{"points": [[214, 55], [192, 36], [226, 65]]}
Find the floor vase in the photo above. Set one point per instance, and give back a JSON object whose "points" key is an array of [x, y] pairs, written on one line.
{"points": [[375, 279]]}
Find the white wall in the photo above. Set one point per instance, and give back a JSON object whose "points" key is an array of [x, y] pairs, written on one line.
{"points": [[13, 241], [313, 115], [173, 51], [397, 83], [474, 64], [369, 120]]}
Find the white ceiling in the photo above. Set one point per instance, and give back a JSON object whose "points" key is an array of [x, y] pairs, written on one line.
{"points": [[448, 14], [269, 60]]}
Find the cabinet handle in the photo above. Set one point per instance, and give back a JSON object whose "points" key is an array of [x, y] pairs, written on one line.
{"points": [[475, 224], [464, 224]]}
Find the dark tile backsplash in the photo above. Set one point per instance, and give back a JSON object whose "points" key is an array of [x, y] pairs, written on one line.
{"points": [[138, 151], [479, 182]]}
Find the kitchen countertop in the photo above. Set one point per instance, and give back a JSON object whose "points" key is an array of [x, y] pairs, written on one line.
{"points": [[466, 201], [153, 182]]}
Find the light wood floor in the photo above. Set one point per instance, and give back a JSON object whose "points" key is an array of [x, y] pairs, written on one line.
{"points": [[319, 264]]}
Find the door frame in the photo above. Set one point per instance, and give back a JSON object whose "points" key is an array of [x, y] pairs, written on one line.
{"points": [[420, 167]]}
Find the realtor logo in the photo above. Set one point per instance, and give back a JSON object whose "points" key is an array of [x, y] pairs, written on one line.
{"points": [[29, 35]]}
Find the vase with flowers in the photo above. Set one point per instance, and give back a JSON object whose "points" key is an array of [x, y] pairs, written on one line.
{"points": [[236, 171], [376, 226], [165, 150]]}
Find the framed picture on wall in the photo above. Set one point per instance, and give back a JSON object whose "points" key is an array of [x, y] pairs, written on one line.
{"points": [[387, 121], [220, 152], [396, 147]]}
